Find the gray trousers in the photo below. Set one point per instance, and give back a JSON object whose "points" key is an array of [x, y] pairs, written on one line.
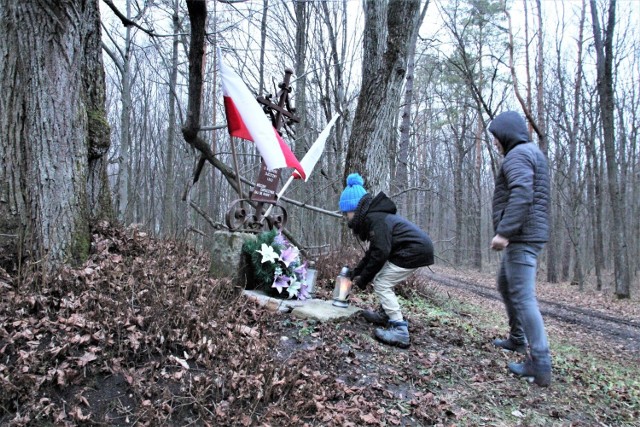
{"points": [[517, 285]]}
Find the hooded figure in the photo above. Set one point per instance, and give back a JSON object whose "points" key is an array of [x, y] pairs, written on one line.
{"points": [[397, 248], [521, 224], [521, 195]]}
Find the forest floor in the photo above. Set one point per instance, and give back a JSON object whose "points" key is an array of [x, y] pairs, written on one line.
{"points": [[140, 335]]}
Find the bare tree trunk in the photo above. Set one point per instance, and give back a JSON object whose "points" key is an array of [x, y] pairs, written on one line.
{"points": [[169, 199], [566, 259], [54, 127], [401, 177], [458, 186], [477, 199], [98, 132], [626, 114], [594, 185], [338, 99], [335, 68], [594, 195], [389, 29], [215, 200], [541, 116], [575, 183], [301, 81], [124, 160], [604, 64], [400, 181], [263, 42], [635, 185]]}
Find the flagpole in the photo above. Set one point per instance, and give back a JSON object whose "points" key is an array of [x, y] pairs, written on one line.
{"points": [[235, 166], [309, 161], [282, 190]]}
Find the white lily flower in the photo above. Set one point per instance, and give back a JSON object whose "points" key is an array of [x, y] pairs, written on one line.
{"points": [[268, 254]]}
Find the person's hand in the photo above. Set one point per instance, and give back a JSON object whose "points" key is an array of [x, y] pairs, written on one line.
{"points": [[499, 242], [359, 283]]}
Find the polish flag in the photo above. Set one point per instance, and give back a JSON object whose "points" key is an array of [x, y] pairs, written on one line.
{"points": [[246, 120], [310, 159]]}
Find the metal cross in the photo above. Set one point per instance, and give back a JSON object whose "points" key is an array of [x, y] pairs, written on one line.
{"points": [[266, 187]]}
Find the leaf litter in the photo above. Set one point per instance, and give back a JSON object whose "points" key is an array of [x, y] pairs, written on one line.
{"points": [[141, 335]]}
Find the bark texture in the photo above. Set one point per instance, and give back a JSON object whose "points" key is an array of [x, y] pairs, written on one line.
{"points": [[54, 127], [389, 28]]}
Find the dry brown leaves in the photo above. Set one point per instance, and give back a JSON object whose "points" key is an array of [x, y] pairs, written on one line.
{"points": [[141, 335]]}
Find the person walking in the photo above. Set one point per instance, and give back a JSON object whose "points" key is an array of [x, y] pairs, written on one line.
{"points": [[397, 248], [521, 224]]}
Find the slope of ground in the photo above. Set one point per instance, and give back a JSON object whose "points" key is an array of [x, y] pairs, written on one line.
{"points": [[140, 335]]}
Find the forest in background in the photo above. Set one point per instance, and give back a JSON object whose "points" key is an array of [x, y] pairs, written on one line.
{"points": [[112, 106], [472, 60], [101, 323]]}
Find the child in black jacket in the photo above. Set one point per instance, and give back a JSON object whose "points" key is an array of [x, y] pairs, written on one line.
{"points": [[397, 248]]}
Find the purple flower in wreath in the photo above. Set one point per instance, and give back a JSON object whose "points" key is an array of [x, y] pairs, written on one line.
{"points": [[281, 282], [280, 240], [303, 293], [289, 255], [301, 270]]}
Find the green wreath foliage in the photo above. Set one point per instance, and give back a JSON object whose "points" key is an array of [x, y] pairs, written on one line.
{"points": [[276, 265], [262, 272]]}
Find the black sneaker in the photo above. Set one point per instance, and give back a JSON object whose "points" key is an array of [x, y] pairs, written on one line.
{"points": [[540, 375], [511, 345], [378, 317]]}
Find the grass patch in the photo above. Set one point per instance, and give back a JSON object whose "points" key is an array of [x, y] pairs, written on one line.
{"points": [[587, 387]]}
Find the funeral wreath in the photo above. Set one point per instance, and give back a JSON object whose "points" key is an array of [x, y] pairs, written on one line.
{"points": [[277, 265]]}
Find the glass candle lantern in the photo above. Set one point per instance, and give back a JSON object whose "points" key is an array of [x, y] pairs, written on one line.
{"points": [[310, 280], [342, 288]]}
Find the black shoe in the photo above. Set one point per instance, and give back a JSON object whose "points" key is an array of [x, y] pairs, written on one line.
{"points": [[511, 345], [378, 317], [397, 334], [541, 375]]}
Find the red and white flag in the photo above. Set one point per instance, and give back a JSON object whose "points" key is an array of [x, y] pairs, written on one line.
{"points": [[246, 120], [310, 159]]}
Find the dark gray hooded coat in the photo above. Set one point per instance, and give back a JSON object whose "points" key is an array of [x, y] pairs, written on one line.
{"points": [[521, 195]]}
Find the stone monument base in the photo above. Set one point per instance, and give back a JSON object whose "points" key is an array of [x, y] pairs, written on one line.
{"points": [[226, 257], [313, 309]]}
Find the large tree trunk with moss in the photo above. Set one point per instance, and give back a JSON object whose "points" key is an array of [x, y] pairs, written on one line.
{"points": [[390, 27], [54, 130]]}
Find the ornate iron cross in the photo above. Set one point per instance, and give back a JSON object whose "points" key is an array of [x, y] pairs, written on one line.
{"points": [[265, 191]]}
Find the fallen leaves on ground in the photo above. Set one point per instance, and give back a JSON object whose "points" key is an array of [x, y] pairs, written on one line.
{"points": [[140, 334]]}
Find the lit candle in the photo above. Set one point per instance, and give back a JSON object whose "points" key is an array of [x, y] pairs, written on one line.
{"points": [[342, 289]]}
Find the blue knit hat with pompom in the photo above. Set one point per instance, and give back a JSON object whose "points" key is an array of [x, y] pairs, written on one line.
{"points": [[352, 193]]}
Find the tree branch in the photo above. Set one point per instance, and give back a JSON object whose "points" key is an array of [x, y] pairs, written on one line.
{"points": [[126, 21], [525, 108]]}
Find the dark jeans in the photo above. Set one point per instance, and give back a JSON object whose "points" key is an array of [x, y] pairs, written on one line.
{"points": [[517, 285]]}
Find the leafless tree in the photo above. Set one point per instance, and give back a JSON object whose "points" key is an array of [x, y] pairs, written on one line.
{"points": [[603, 40]]}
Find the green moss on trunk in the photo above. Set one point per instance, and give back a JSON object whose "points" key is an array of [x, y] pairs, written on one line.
{"points": [[98, 133], [80, 244]]}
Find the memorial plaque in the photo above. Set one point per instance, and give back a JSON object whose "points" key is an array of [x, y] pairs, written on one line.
{"points": [[266, 188]]}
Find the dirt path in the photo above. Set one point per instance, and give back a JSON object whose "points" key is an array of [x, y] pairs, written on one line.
{"points": [[615, 329]]}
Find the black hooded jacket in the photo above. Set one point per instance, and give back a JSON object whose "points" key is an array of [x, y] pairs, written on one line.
{"points": [[521, 195], [391, 238]]}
